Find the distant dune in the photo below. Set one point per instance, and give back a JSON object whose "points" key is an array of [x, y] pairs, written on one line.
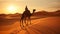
{"points": [[45, 13], [38, 13]]}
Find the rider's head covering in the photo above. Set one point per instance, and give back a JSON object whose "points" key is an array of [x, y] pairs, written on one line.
{"points": [[26, 8]]}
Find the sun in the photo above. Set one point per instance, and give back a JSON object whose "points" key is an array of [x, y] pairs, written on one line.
{"points": [[12, 9]]}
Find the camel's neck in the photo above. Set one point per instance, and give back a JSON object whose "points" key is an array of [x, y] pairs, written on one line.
{"points": [[33, 12]]}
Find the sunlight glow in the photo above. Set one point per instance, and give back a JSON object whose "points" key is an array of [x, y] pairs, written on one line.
{"points": [[12, 9]]}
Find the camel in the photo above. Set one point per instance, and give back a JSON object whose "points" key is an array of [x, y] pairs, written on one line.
{"points": [[26, 15]]}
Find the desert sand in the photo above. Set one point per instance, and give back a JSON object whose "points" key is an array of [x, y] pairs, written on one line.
{"points": [[47, 25]]}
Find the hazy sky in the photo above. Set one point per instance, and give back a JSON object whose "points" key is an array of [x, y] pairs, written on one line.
{"points": [[48, 5]]}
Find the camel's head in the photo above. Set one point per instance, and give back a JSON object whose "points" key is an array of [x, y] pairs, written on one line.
{"points": [[34, 10]]}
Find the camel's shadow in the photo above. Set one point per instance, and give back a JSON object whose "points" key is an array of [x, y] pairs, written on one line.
{"points": [[18, 31]]}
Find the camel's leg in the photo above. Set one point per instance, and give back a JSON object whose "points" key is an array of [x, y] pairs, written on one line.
{"points": [[22, 23], [25, 21], [30, 20]]}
